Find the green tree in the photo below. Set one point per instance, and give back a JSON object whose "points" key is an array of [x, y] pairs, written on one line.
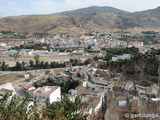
{"points": [[15, 108], [47, 65], [18, 66], [42, 64], [36, 57], [15, 56], [87, 61], [71, 60], [95, 58], [37, 64], [66, 109], [23, 64], [4, 67], [53, 64], [31, 63]]}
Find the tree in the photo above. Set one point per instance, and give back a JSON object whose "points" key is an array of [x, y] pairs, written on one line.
{"points": [[65, 87], [87, 61], [89, 47], [4, 67], [36, 57], [15, 56], [71, 60], [95, 58], [66, 109], [42, 64], [47, 65], [37, 64], [53, 64], [23, 64], [18, 66], [15, 108], [31, 63]]}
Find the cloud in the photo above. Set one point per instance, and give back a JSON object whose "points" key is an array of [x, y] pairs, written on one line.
{"points": [[23, 7]]}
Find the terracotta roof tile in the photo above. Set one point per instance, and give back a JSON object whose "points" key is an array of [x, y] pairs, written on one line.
{"points": [[129, 83]]}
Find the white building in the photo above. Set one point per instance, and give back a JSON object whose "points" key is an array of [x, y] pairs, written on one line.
{"points": [[10, 52], [45, 93], [26, 52], [104, 84], [135, 44], [39, 41], [129, 86], [40, 52], [5, 88], [2, 44], [121, 57], [93, 98]]}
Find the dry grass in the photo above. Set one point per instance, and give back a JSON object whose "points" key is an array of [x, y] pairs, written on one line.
{"points": [[46, 58], [9, 77]]}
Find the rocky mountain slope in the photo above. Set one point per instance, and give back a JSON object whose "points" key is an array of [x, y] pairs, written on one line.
{"points": [[83, 20], [141, 69]]}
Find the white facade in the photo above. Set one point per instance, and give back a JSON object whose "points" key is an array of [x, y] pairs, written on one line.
{"points": [[104, 84], [129, 85], [99, 105], [55, 96], [26, 52], [88, 110], [2, 44], [135, 44], [121, 57], [114, 58], [50, 93], [10, 52], [39, 41], [122, 102], [45, 93], [39, 52], [8, 86]]}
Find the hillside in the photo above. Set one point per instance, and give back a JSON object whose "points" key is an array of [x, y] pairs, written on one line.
{"points": [[141, 69], [149, 18], [84, 20]]}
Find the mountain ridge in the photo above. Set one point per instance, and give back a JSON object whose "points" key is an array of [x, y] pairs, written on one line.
{"points": [[84, 20]]}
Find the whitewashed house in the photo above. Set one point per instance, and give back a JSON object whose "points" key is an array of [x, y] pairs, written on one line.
{"points": [[104, 84], [40, 52], [10, 52], [26, 52], [129, 86], [115, 58], [121, 57], [5, 88], [3, 44], [45, 93], [39, 41], [135, 44]]}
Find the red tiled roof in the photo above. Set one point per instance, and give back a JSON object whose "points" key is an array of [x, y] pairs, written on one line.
{"points": [[58, 70], [49, 70], [28, 86], [32, 90], [129, 82]]}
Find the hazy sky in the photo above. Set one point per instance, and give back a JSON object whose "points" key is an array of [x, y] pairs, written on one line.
{"points": [[28, 7]]}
